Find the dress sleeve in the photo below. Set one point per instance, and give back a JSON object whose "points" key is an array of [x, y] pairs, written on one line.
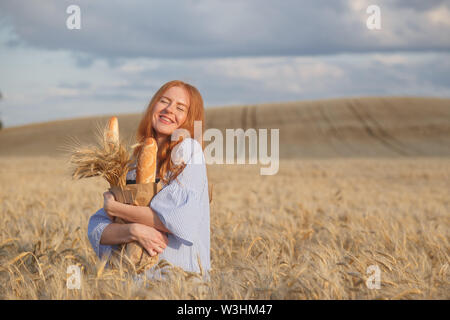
{"points": [[131, 175], [97, 223], [178, 205]]}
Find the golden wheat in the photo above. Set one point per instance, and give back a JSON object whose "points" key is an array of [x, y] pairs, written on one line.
{"points": [[309, 232], [105, 159]]}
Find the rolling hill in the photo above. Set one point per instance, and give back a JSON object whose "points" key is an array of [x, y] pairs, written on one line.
{"points": [[350, 127]]}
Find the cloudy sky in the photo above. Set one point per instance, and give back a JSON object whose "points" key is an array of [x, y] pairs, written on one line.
{"points": [[233, 51]]}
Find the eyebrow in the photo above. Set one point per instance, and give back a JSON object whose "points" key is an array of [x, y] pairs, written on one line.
{"points": [[182, 103]]}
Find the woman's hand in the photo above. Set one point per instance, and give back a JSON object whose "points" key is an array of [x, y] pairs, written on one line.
{"points": [[150, 238], [108, 204]]}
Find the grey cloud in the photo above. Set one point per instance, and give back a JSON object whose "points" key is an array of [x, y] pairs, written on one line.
{"points": [[245, 81], [338, 76], [83, 60], [419, 5], [212, 28], [78, 85]]}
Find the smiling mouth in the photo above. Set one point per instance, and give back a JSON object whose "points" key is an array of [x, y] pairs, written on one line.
{"points": [[165, 120]]}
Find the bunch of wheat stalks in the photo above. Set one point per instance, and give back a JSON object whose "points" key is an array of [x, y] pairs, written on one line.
{"points": [[108, 158]]}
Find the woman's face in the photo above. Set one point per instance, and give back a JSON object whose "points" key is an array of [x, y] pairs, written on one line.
{"points": [[170, 111]]}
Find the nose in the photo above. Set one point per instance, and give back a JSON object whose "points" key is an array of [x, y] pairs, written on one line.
{"points": [[170, 107]]}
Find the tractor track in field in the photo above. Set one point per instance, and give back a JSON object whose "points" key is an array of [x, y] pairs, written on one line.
{"points": [[383, 134], [373, 133]]}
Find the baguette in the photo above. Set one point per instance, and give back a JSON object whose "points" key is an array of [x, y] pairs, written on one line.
{"points": [[146, 164], [144, 191], [112, 134]]}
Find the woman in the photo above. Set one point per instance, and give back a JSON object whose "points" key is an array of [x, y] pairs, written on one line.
{"points": [[176, 224]]}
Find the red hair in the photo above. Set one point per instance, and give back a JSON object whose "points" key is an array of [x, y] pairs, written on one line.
{"points": [[196, 112]]}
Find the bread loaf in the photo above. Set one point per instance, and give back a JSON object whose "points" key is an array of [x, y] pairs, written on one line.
{"points": [[146, 163], [140, 194], [112, 134]]}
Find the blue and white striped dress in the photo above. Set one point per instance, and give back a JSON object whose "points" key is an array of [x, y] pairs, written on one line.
{"points": [[182, 206]]}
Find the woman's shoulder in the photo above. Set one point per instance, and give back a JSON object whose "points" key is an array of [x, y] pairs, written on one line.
{"points": [[189, 151], [193, 176]]}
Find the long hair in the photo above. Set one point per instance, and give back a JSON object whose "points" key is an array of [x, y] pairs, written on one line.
{"points": [[196, 112]]}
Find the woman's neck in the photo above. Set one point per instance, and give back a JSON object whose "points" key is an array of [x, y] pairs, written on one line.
{"points": [[160, 139]]}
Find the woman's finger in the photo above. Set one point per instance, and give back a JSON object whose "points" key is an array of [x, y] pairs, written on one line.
{"points": [[149, 251], [159, 249], [156, 248], [163, 238], [162, 249], [160, 243], [108, 195]]}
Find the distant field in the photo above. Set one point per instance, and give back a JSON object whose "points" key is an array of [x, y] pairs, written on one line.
{"points": [[361, 182], [379, 127]]}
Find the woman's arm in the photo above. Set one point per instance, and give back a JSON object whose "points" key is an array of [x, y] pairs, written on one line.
{"points": [[97, 223], [150, 238], [136, 214], [116, 233]]}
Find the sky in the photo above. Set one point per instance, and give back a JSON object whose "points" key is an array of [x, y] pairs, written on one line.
{"points": [[235, 52]]}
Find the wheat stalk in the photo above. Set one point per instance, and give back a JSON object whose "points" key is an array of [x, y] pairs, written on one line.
{"points": [[110, 160]]}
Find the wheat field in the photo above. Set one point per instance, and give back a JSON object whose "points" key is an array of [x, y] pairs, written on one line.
{"points": [[311, 231]]}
